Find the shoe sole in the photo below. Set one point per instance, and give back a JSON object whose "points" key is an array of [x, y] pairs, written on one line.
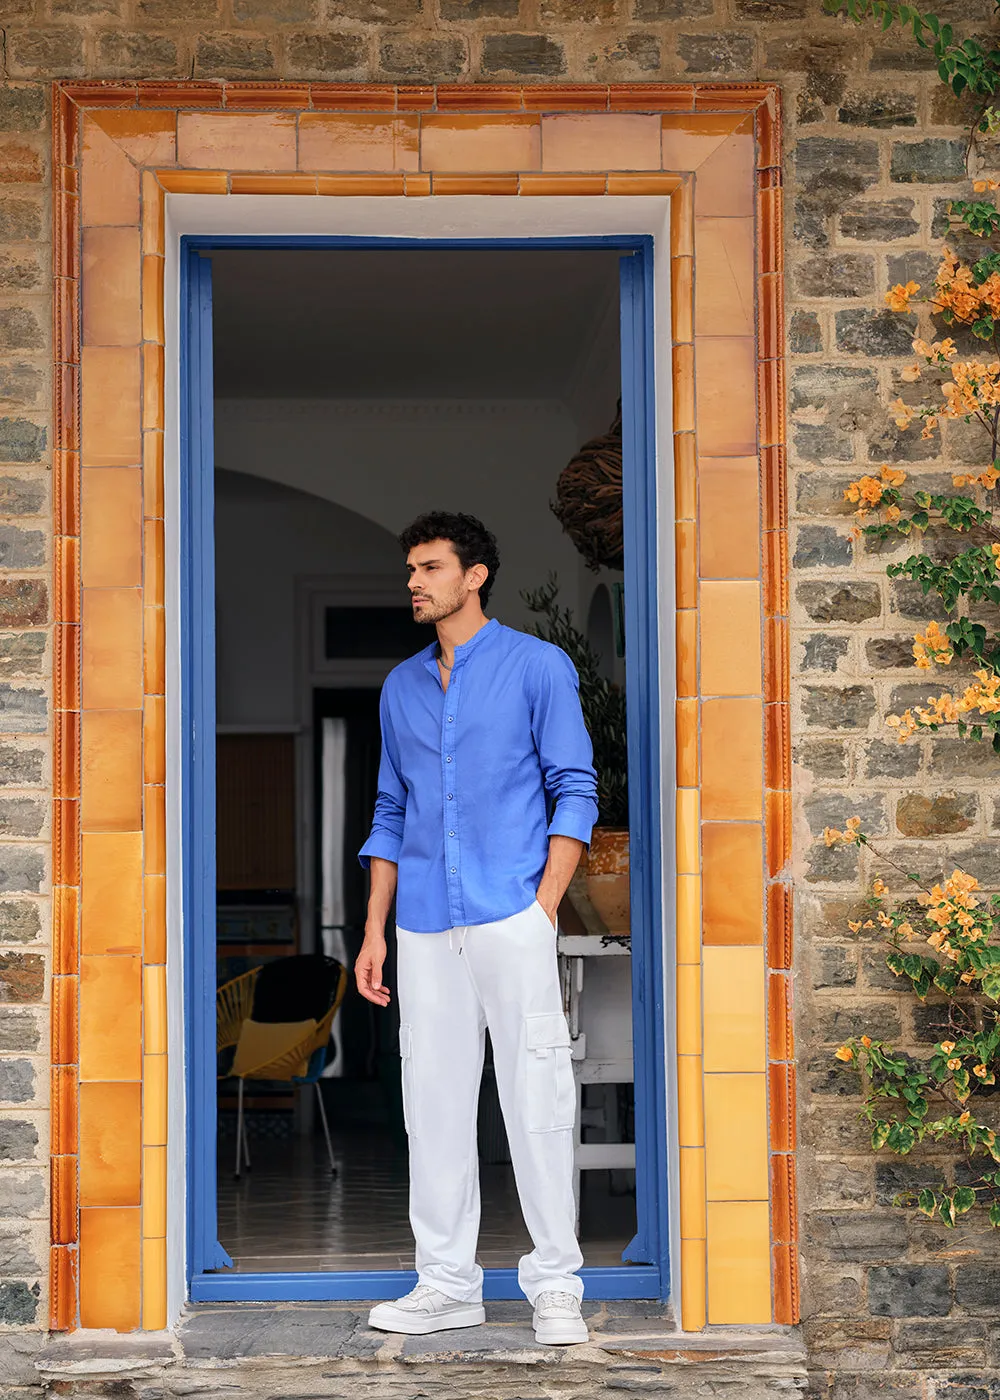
{"points": [[561, 1335], [473, 1316]]}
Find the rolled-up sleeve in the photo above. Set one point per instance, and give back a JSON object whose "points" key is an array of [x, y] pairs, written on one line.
{"points": [[386, 835], [564, 748]]}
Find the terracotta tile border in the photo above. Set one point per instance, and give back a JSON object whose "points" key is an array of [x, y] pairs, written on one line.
{"points": [[743, 113]]}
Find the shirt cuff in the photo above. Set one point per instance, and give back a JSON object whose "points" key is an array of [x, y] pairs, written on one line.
{"points": [[381, 844], [575, 817]]}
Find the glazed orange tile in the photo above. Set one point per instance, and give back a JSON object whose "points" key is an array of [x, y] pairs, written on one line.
{"points": [[685, 477], [66, 737], [236, 141], [694, 1284], [692, 1184], [65, 1029], [724, 292], [351, 185], [112, 770], [152, 385], [66, 492], [687, 832], [651, 97], [682, 220], [786, 1288], [110, 1151], [777, 747], [729, 517], [481, 97], [688, 916], [112, 648], [358, 141], [629, 182], [732, 756], [63, 1090], [110, 1017], [65, 406], [733, 991], [154, 1100], [152, 214], [686, 647], [152, 298], [111, 528], [687, 141], [474, 184], [110, 422], [66, 237], [781, 1097], [736, 1112], [773, 472], [66, 320], [684, 389], [65, 841], [771, 400], [63, 1296], [725, 185], [154, 1284], [154, 739], [417, 186], [688, 1008], [110, 191], [729, 640], [155, 829], [367, 97], [727, 395], [779, 926], [65, 667], [776, 658], [784, 1226], [149, 137], [682, 298], [690, 1102], [732, 883], [111, 915], [65, 929], [180, 94], [194, 181], [778, 831], [154, 1009], [110, 1273], [739, 1263], [686, 738], [155, 925], [152, 474], [770, 233], [63, 1202], [154, 560], [273, 184], [729, 97], [534, 184], [153, 657], [686, 563], [253, 96], [771, 325], [480, 143], [566, 97], [154, 1192], [415, 98], [608, 141]]}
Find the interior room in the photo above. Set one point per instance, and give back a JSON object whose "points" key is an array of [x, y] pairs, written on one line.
{"points": [[355, 389]]}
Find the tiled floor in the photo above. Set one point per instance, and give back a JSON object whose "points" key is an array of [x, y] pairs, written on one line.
{"points": [[288, 1215]]}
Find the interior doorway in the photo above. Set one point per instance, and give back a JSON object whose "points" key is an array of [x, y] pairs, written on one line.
{"points": [[352, 388]]}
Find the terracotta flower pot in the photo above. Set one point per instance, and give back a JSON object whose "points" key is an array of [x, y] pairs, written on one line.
{"points": [[607, 877]]}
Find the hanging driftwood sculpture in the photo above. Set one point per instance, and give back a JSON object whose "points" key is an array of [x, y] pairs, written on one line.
{"points": [[588, 502]]}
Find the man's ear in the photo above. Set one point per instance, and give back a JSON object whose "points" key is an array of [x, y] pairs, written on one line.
{"points": [[477, 576]]}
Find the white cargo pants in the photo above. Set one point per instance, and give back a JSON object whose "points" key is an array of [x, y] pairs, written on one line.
{"points": [[452, 986]]}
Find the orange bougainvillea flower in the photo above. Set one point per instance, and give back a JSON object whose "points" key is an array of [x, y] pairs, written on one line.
{"points": [[932, 648], [981, 186], [845, 1053], [898, 297]]}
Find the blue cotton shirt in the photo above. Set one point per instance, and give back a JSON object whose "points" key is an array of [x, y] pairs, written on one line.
{"points": [[468, 776]]}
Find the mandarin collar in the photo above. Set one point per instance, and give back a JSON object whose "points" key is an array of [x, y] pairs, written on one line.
{"points": [[463, 652]]}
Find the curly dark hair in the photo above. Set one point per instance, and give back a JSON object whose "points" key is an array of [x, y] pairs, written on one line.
{"points": [[469, 538]]}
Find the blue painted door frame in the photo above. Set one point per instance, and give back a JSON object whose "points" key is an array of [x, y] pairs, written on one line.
{"points": [[646, 1272]]}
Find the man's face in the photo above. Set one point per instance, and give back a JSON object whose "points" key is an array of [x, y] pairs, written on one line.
{"points": [[438, 586]]}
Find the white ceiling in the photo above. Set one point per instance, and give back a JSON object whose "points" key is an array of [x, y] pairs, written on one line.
{"points": [[409, 323]]}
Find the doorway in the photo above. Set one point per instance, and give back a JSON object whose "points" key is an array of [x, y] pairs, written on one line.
{"points": [[340, 492]]}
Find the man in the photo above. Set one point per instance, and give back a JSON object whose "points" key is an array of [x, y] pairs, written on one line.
{"points": [[482, 733]]}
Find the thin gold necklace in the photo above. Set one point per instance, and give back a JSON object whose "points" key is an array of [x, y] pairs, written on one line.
{"points": [[443, 663]]}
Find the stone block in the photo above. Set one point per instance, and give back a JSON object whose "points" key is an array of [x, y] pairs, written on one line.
{"points": [[827, 916], [177, 11], [39, 52], [888, 1386], [848, 396], [805, 337], [22, 1194], [874, 333], [382, 12], [819, 443], [823, 809], [810, 219], [835, 275], [895, 1176], [17, 1255], [20, 921], [951, 757], [22, 977], [22, 653], [821, 546], [946, 814], [276, 11], [321, 56], [886, 108], [22, 816], [833, 1024], [672, 9], [479, 9], [931, 162], [977, 1287], [907, 600], [20, 548], [831, 1291], [19, 1030], [21, 767], [22, 869], [21, 385], [566, 11], [22, 107], [860, 1236], [824, 758], [131, 53], [822, 651], [840, 600], [21, 440], [839, 1183], [20, 271], [838, 707], [849, 1344], [931, 1022], [522, 55], [888, 758], [822, 493], [981, 859], [956, 1341], [628, 54], [220, 55], [876, 974], [831, 865], [879, 220], [831, 169], [431, 60], [912, 266], [900, 54], [20, 329], [18, 1303], [924, 860], [18, 1142], [834, 965], [226, 1334], [909, 1290], [890, 653], [721, 55]]}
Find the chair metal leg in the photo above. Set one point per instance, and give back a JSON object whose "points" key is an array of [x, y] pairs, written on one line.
{"points": [[239, 1126], [326, 1127]]}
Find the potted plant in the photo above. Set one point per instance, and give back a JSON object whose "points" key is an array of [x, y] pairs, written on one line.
{"points": [[603, 703]]}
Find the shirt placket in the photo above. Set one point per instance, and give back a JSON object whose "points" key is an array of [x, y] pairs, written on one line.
{"points": [[452, 805]]}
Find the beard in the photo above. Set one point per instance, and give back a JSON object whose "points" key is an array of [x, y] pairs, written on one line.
{"points": [[436, 609]]}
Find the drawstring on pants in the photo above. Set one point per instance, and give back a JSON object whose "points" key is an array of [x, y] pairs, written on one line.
{"points": [[461, 940]]}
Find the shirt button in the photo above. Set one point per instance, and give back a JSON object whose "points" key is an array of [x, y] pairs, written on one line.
{"points": [[448, 759], [451, 833], [451, 797], [451, 719], [454, 871]]}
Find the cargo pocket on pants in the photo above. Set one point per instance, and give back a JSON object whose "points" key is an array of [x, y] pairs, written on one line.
{"points": [[406, 1068], [550, 1087]]}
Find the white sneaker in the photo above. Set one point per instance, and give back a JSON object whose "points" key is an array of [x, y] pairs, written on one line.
{"points": [[425, 1310], [558, 1321]]}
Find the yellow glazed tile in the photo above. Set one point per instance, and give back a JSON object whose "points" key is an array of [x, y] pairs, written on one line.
{"points": [[732, 760], [736, 1147], [111, 648], [153, 535], [111, 267], [600, 141], [110, 1252], [733, 882], [109, 1144], [724, 287], [689, 1009], [154, 1285], [111, 919], [110, 189], [155, 931], [152, 385], [693, 1221], [730, 637], [739, 1263], [690, 1101], [110, 421], [726, 395], [688, 918], [153, 659], [688, 854], [111, 528], [725, 184], [728, 517], [154, 796], [686, 643], [110, 1017], [686, 734], [236, 141], [154, 739], [152, 474], [358, 141], [689, 140], [154, 1009], [111, 751], [735, 1035], [685, 477], [478, 143], [693, 1285], [152, 214], [152, 298], [154, 1192], [147, 136], [681, 294], [686, 564], [154, 1100]]}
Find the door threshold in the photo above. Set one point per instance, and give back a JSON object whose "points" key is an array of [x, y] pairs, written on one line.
{"points": [[631, 1281]]}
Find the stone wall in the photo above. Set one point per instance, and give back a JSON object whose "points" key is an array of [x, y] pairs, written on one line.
{"points": [[874, 146]]}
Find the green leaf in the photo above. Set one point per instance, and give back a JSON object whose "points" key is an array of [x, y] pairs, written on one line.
{"points": [[963, 1199], [947, 1211], [880, 1135], [927, 1202], [995, 1215]]}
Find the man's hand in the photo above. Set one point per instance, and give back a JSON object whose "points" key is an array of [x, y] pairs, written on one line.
{"points": [[368, 968], [564, 857], [548, 908]]}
